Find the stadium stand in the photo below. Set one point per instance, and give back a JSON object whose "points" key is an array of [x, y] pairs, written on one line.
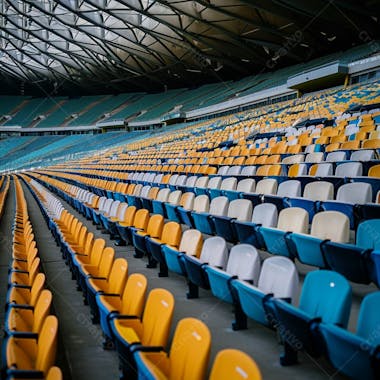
{"points": [[223, 231]]}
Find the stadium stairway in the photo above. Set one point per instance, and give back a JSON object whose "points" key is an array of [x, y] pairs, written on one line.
{"points": [[259, 342]]}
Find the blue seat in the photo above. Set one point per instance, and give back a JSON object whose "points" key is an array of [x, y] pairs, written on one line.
{"points": [[246, 185], [277, 242], [201, 204], [325, 297], [326, 225], [356, 355], [203, 220], [158, 203], [214, 252], [244, 264], [265, 215], [186, 202], [238, 210], [278, 278]]}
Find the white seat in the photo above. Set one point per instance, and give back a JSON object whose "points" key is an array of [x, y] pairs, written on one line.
{"points": [[293, 219], [244, 263], [290, 188], [174, 197], [191, 181], [214, 183], [113, 211], [247, 185], [145, 191], [319, 191], [219, 206], [240, 209], [362, 155], [187, 200], [332, 225], [223, 170], [267, 186], [248, 170], [191, 242], [158, 178], [201, 203], [214, 252], [336, 156], [173, 179], [229, 184], [349, 169], [314, 157], [355, 193], [293, 159], [265, 214], [163, 195], [202, 182], [234, 170], [324, 170], [279, 276], [181, 180], [137, 190]]}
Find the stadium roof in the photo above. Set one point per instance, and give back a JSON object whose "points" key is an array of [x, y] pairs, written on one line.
{"points": [[120, 45]]}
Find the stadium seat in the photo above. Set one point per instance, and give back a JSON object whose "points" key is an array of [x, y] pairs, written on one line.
{"points": [[355, 355], [151, 330], [325, 297], [187, 358], [232, 364], [278, 278], [214, 252]]}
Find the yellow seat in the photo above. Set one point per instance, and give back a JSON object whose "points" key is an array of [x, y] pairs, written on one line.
{"points": [[231, 364], [33, 355], [374, 171], [371, 144], [152, 330], [188, 355], [54, 373], [27, 296]]}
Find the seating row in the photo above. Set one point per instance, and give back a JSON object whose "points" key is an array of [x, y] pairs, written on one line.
{"points": [[30, 331]]}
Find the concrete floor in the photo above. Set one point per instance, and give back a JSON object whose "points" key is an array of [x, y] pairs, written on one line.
{"points": [[80, 352]]}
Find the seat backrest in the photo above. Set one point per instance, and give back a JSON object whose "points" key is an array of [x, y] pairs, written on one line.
{"points": [[106, 262], [118, 276], [223, 170], [202, 182], [157, 318], [163, 195], [123, 207], [41, 309], [267, 186], [173, 179], [155, 226], [174, 197], [201, 203], [290, 188], [294, 219], [47, 344], [137, 190], [265, 214], [247, 185], [134, 293], [191, 181], [232, 364], [107, 205], [96, 251], [326, 294], [191, 242], [336, 156], [54, 373], [324, 169], [187, 200], [362, 155], [368, 320], [367, 235], [219, 206], [293, 159], [234, 170], [229, 184], [214, 252], [214, 183], [240, 209], [181, 180], [145, 191], [248, 170], [244, 262], [319, 191], [190, 350], [349, 169], [114, 209], [355, 193], [171, 234], [37, 286], [314, 157], [141, 218], [279, 276], [332, 225]]}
